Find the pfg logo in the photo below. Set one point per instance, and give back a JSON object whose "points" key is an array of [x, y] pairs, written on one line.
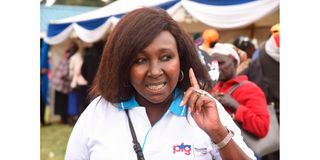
{"points": [[182, 148]]}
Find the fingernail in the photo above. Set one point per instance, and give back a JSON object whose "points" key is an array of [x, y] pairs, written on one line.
{"points": [[181, 103]]}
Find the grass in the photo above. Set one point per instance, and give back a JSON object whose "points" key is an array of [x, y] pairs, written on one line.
{"points": [[53, 141]]}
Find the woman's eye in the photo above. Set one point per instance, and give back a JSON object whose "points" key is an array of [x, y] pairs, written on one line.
{"points": [[140, 61], [166, 58]]}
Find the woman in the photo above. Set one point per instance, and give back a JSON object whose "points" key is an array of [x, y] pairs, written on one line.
{"points": [[146, 70], [61, 84], [247, 104]]}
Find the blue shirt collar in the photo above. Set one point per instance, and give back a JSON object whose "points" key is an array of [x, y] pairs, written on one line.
{"points": [[174, 106]]}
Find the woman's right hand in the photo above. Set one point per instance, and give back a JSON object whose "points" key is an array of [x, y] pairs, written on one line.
{"points": [[202, 106]]}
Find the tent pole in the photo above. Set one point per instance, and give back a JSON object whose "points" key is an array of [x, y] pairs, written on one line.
{"points": [[252, 30]]}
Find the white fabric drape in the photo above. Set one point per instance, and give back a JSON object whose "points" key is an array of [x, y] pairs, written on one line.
{"points": [[60, 37], [221, 17], [96, 34], [233, 16]]}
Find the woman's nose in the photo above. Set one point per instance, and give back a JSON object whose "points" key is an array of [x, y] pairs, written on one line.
{"points": [[155, 70]]}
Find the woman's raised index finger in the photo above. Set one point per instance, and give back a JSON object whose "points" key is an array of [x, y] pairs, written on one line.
{"points": [[193, 79]]}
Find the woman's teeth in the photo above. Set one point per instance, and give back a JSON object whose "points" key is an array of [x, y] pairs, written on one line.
{"points": [[155, 86]]}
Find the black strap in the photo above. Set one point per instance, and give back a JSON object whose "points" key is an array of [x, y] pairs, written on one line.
{"points": [[234, 87], [136, 144]]}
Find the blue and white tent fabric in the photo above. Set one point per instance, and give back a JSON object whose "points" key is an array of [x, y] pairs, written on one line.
{"points": [[58, 11], [220, 14]]}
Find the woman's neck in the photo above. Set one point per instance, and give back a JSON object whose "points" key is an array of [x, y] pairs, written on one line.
{"points": [[154, 110]]}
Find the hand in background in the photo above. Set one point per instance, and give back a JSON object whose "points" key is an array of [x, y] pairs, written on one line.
{"points": [[227, 101]]}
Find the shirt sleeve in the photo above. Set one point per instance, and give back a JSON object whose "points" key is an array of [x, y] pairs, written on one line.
{"points": [[77, 148], [252, 114]]}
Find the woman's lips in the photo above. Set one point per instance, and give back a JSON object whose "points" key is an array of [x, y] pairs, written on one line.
{"points": [[156, 86]]}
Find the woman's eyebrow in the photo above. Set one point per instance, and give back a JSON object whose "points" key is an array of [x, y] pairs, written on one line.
{"points": [[164, 49]]}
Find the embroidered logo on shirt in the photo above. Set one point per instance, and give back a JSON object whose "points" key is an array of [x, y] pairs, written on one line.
{"points": [[186, 149]]}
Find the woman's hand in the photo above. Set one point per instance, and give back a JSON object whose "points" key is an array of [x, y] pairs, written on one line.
{"points": [[205, 113], [202, 107]]}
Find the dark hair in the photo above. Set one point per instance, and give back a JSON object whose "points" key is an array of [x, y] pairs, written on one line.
{"points": [[212, 44], [134, 32], [245, 44]]}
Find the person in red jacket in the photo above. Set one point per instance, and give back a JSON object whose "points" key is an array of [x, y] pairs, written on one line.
{"points": [[246, 104]]}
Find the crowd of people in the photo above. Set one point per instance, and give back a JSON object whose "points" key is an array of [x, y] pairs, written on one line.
{"points": [[151, 82], [71, 81], [253, 72]]}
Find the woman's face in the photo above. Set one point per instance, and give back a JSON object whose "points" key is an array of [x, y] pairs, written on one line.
{"points": [[155, 71], [227, 66]]}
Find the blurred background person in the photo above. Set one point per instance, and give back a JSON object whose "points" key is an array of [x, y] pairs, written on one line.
{"points": [[245, 49], [210, 38], [245, 44], [204, 43], [44, 68], [247, 104], [61, 84], [91, 61], [78, 82], [244, 60], [264, 70]]}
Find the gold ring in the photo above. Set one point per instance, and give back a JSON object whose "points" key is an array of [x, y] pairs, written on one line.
{"points": [[200, 92], [199, 95], [202, 95]]}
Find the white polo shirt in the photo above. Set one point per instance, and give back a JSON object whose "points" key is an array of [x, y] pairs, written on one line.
{"points": [[102, 133]]}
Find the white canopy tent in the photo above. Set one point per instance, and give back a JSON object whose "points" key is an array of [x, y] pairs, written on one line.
{"points": [[219, 14], [230, 17]]}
